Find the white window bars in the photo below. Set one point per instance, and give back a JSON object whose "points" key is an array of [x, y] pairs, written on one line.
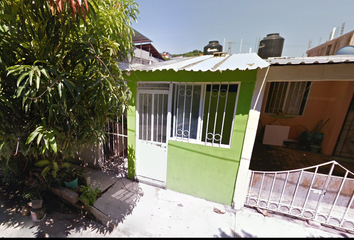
{"points": [[204, 113]]}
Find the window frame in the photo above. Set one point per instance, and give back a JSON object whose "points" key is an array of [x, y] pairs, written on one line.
{"points": [[286, 99], [200, 124]]}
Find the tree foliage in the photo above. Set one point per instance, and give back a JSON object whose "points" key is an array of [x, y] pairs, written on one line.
{"points": [[194, 53], [59, 79]]}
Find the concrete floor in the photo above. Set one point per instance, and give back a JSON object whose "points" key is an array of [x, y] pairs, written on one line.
{"points": [[277, 158], [140, 210]]}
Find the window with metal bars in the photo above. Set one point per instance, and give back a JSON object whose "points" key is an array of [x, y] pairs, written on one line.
{"points": [[287, 98], [204, 113]]}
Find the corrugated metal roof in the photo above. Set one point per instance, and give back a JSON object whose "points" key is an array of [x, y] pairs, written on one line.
{"points": [[140, 38], [207, 63], [310, 60]]}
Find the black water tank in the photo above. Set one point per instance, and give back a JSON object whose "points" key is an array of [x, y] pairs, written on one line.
{"points": [[271, 46], [212, 47]]}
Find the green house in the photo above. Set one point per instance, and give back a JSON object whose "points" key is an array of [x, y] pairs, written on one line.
{"points": [[187, 121]]}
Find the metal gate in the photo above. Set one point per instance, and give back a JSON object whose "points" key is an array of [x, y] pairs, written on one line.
{"points": [[115, 148], [323, 193]]}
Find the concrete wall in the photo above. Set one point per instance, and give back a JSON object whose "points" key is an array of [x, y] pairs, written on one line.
{"points": [[91, 156]]}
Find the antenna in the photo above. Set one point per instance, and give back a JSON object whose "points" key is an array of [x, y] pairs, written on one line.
{"points": [[241, 45], [255, 44], [342, 29], [320, 41], [310, 41], [229, 50]]}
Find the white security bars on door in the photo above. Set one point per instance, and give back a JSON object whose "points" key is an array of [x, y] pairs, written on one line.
{"points": [[204, 113], [153, 117]]}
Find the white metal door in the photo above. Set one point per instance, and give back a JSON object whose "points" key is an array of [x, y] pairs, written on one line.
{"points": [[153, 121]]}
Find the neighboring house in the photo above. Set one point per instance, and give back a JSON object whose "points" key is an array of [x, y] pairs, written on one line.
{"points": [[187, 122], [144, 52], [303, 93], [166, 55], [332, 46], [299, 93]]}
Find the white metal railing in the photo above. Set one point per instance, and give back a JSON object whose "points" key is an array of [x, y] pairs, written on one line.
{"points": [[307, 193]]}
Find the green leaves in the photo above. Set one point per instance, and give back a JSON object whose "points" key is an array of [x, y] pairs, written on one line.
{"points": [[48, 165], [47, 136], [59, 78], [42, 163], [89, 196]]}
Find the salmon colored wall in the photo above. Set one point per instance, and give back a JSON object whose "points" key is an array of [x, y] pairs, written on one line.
{"points": [[337, 111], [327, 99]]}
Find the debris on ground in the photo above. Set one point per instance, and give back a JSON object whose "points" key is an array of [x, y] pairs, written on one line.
{"points": [[264, 212], [218, 211], [179, 205]]}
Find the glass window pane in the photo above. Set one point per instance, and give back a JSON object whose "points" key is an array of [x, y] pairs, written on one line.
{"points": [[187, 110], [215, 122], [156, 117], [164, 105], [140, 108], [148, 107], [219, 109]]}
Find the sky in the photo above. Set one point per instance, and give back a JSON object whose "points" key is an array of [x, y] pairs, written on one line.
{"points": [[181, 26]]}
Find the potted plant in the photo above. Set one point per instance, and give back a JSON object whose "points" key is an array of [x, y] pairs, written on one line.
{"points": [[35, 206], [312, 140], [71, 177]]}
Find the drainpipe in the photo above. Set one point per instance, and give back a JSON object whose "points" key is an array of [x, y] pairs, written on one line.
{"points": [[243, 175]]}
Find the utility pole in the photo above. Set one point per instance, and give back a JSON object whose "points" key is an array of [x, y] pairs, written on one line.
{"points": [[229, 49], [241, 46]]}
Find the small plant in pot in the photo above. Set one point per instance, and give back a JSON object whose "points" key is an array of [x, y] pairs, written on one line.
{"points": [[71, 180], [71, 177]]}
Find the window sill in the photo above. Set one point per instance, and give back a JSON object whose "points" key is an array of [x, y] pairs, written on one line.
{"points": [[282, 116], [193, 141]]}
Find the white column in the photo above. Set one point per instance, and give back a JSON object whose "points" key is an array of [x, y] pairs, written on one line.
{"points": [[243, 174]]}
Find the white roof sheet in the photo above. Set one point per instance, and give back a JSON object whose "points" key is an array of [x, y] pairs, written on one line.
{"points": [[207, 63], [310, 60]]}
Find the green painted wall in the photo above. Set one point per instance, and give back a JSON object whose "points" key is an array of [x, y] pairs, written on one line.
{"points": [[198, 170], [131, 125]]}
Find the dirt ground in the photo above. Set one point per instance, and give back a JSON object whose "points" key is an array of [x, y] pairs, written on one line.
{"points": [[59, 221]]}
